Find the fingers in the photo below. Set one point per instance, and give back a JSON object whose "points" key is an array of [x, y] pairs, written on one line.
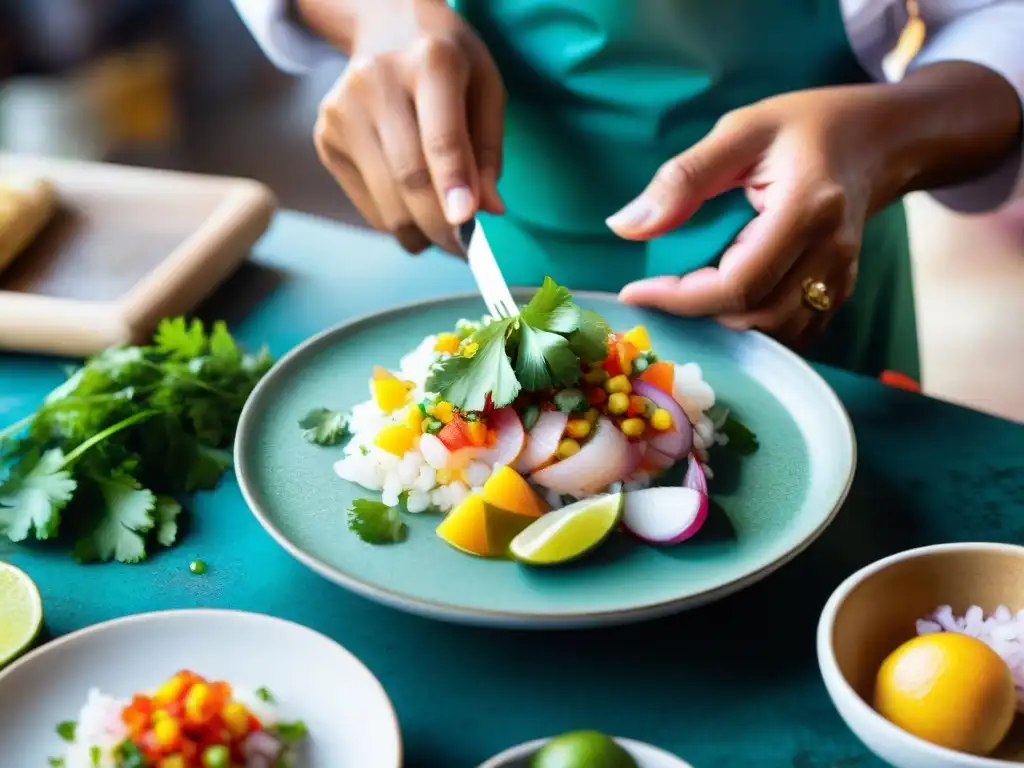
{"points": [[329, 148], [487, 128], [786, 314], [440, 99], [747, 272], [403, 153], [682, 184]]}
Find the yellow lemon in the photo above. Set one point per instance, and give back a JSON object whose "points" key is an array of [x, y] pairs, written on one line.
{"points": [[949, 689]]}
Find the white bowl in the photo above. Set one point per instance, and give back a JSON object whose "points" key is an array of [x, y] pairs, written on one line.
{"points": [[874, 611], [351, 721], [645, 755]]}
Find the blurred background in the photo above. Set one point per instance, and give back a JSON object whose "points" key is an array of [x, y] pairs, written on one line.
{"points": [[179, 84]]}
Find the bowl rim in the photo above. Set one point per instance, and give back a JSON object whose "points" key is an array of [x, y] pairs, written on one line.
{"points": [[841, 688], [529, 747]]}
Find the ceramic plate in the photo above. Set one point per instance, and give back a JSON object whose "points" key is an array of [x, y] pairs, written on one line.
{"points": [[350, 719], [645, 755], [768, 506]]}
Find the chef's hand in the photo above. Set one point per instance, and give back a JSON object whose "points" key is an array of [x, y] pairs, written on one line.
{"points": [[807, 171], [413, 128], [815, 164]]}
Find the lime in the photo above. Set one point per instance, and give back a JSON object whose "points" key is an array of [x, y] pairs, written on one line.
{"points": [[582, 749], [21, 613], [569, 532]]}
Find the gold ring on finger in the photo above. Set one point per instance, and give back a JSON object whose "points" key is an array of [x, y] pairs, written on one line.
{"points": [[816, 295]]}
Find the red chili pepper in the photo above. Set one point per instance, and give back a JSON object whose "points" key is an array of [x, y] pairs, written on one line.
{"points": [[899, 381]]}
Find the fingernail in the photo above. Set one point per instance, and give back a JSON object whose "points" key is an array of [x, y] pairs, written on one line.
{"points": [[633, 215], [459, 204]]}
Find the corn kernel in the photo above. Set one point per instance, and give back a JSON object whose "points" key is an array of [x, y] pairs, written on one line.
{"points": [[661, 419], [578, 428], [169, 691], [173, 761], [443, 412], [593, 415], [236, 718], [618, 383], [470, 349], [618, 403], [447, 343], [158, 715], [167, 733], [197, 709], [633, 427], [596, 376], [567, 448]]}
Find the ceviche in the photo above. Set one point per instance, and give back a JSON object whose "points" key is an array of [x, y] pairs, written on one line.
{"points": [[498, 423], [187, 722]]}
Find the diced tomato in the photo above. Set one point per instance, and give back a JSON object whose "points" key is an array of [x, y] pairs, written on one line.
{"points": [[899, 381], [135, 720], [612, 364], [596, 396], [661, 374], [455, 434]]}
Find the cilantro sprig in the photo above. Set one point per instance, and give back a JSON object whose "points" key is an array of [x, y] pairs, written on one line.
{"points": [[375, 522], [544, 347], [108, 457]]}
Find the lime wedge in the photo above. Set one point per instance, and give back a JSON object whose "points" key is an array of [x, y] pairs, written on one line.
{"points": [[582, 749], [21, 613], [569, 532]]}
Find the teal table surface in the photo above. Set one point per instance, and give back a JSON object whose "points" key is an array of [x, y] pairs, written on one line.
{"points": [[731, 685]]}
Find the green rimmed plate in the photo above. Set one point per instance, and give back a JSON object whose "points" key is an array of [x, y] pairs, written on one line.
{"points": [[767, 507]]}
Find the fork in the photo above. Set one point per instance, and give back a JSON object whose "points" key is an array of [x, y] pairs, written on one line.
{"points": [[486, 271]]}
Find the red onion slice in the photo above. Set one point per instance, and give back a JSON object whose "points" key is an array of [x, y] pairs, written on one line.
{"points": [[695, 477], [541, 441], [601, 462], [677, 441]]}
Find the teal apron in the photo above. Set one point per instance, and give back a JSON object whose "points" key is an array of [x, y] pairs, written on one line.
{"points": [[602, 92]]}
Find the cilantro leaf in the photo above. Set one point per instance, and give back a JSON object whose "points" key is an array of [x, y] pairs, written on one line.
{"points": [[741, 439], [375, 522], [181, 340], [264, 694], [206, 466], [222, 346], [590, 341], [165, 515], [322, 426], [33, 496], [129, 756], [545, 360], [466, 382], [125, 520], [56, 762], [291, 733], [66, 730], [552, 309]]}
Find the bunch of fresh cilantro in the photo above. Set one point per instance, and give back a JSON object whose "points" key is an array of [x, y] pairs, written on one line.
{"points": [[540, 349], [109, 456]]}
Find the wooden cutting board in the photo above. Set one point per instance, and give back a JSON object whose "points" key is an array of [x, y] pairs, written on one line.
{"points": [[126, 247]]}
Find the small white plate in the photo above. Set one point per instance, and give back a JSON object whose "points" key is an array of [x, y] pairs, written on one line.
{"points": [[350, 719], [645, 755]]}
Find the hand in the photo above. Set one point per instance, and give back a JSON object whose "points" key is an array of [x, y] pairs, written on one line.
{"points": [[413, 128], [813, 173]]}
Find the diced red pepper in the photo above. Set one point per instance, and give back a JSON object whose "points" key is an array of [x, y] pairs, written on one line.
{"points": [[596, 396], [627, 353], [899, 381]]}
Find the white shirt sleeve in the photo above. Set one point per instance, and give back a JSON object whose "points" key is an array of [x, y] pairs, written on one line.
{"points": [[288, 46], [985, 32]]}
